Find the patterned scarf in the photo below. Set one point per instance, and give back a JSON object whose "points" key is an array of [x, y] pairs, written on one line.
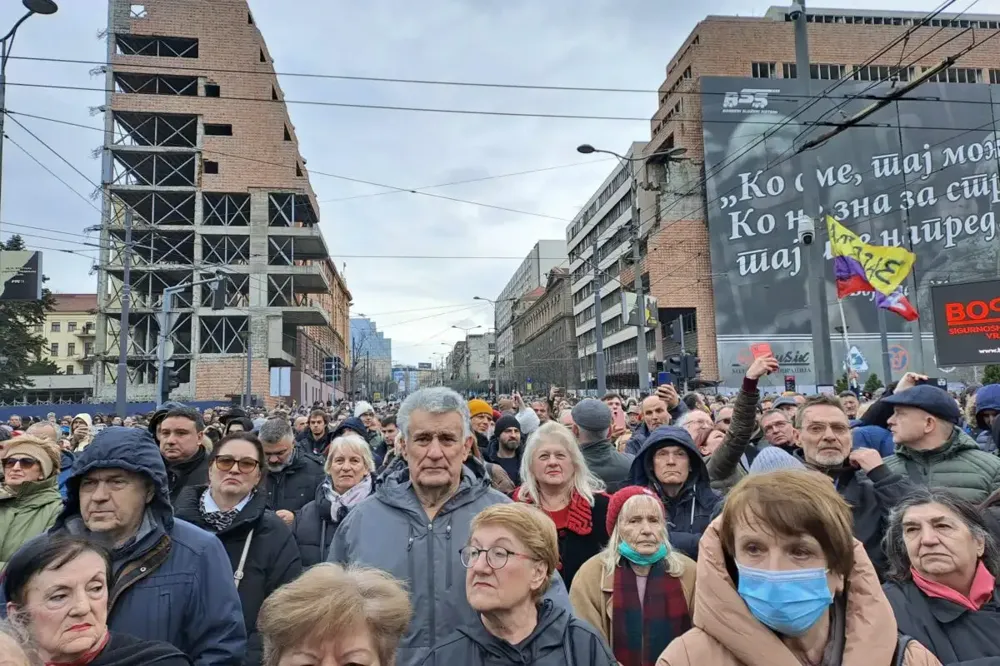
{"points": [[640, 632], [346, 500], [218, 521]]}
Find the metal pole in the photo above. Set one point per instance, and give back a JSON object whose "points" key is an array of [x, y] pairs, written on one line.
{"points": [[642, 355], [599, 373], [680, 327], [816, 263], [249, 383], [161, 348], [916, 339], [847, 340], [468, 374], [3, 111], [123, 326], [884, 340]]}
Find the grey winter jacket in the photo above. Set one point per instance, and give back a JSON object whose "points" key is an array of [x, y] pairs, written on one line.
{"points": [[390, 531], [607, 464], [959, 466], [559, 639]]}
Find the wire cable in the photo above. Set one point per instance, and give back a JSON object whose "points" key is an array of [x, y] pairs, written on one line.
{"points": [[51, 172]]}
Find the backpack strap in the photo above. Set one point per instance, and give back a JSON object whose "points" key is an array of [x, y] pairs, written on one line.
{"points": [[902, 640], [238, 574]]}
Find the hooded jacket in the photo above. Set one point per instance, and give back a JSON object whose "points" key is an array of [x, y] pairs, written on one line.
{"points": [[725, 633], [559, 639], [272, 560], [26, 512], [295, 486], [959, 466], [422, 553], [640, 434], [86, 418], [375, 440], [175, 583], [988, 397], [871, 496], [691, 510]]}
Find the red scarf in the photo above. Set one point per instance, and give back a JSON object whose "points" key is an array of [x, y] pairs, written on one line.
{"points": [[980, 592], [86, 657], [580, 519]]}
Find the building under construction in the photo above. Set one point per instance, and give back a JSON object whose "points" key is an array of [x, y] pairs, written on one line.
{"points": [[200, 148]]}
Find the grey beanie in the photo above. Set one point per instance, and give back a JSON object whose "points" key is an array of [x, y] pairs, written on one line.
{"points": [[772, 458]]}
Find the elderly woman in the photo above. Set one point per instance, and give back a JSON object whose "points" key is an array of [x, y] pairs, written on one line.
{"points": [[29, 497], [943, 567], [509, 560], [349, 467], [233, 506], [57, 592], [556, 480], [333, 616], [638, 592], [781, 580]]}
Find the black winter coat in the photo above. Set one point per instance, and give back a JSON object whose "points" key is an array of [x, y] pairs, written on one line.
{"points": [[575, 548], [272, 561], [955, 635], [691, 510], [871, 496], [295, 486], [314, 528], [125, 650], [194, 472], [316, 447]]}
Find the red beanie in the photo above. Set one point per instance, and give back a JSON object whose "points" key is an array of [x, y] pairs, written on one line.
{"points": [[618, 500], [496, 415]]}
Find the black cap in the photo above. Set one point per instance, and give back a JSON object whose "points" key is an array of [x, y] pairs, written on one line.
{"points": [[930, 399]]}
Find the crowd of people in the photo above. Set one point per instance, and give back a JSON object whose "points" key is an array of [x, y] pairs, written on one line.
{"points": [[670, 530]]}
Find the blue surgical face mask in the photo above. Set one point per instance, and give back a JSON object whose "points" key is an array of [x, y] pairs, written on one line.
{"points": [[635, 557], [789, 602]]}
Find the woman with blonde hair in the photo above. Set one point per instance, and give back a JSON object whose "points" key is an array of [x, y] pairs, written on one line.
{"points": [[638, 592], [555, 478], [333, 615], [29, 497], [510, 559]]}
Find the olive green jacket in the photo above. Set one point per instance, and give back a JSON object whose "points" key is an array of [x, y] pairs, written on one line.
{"points": [[26, 513], [959, 466]]}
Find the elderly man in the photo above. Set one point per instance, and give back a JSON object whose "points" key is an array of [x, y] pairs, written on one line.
{"points": [[779, 430], [293, 475], [591, 424], [931, 448], [861, 476], [414, 524], [173, 582], [658, 409], [178, 430]]}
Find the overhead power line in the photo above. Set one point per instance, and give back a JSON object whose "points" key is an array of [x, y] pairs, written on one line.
{"points": [[52, 173]]}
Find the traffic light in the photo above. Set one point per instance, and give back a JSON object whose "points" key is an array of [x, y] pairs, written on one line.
{"points": [[675, 365], [172, 380], [328, 369], [219, 288], [692, 366]]}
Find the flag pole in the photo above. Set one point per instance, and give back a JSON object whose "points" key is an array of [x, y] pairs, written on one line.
{"points": [[884, 341], [847, 340]]}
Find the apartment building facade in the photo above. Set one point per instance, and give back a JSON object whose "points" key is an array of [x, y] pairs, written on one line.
{"points": [[545, 352]]}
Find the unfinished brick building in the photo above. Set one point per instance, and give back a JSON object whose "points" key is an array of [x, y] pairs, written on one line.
{"points": [[200, 146]]}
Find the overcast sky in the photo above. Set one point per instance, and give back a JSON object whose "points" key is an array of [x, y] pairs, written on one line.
{"points": [[593, 43]]}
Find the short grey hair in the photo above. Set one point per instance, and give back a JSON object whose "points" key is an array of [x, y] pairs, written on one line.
{"points": [[894, 542], [436, 400], [352, 442], [36, 429], [585, 482], [274, 430], [21, 639]]}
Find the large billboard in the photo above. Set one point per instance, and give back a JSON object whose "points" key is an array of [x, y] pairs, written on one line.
{"points": [[967, 322], [921, 173], [20, 275]]}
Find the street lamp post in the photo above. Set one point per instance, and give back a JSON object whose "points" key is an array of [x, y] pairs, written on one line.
{"points": [[468, 376], [43, 7], [496, 329], [642, 355]]}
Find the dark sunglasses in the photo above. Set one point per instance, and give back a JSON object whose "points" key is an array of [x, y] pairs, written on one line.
{"points": [[25, 463], [244, 465]]}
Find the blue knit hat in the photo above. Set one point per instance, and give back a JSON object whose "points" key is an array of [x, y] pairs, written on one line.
{"points": [[772, 458]]}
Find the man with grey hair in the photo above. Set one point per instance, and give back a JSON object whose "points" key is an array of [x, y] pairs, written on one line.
{"points": [[591, 421], [418, 518], [293, 475]]}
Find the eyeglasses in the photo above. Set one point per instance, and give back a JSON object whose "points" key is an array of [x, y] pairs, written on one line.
{"points": [[496, 557], [244, 465], [25, 463]]}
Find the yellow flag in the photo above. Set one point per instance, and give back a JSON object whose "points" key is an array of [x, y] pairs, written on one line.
{"points": [[884, 267]]}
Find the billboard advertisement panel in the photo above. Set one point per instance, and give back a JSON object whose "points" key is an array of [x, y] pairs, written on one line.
{"points": [[20, 275], [921, 173], [967, 322]]}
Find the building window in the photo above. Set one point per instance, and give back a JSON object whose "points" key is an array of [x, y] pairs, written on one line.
{"points": [[70, 369], [288, 135], [71, 349], [71, 326], [211, 167], [764, 70], [212, 90], [820, 71], [249, 18], [298, 169], [218, 129], [88, 348], [995, 76], [957, 75], [788, 70], [56, 327], [54, 349], [274, 93], [137, 11], [38, 328], [263, 58], [158, 46], [882, 73]]}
